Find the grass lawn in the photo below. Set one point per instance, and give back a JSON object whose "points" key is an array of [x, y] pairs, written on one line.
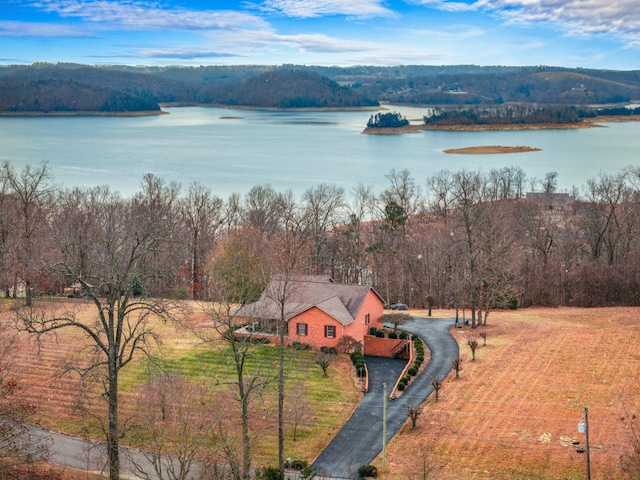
{"points": [[330, 399]]}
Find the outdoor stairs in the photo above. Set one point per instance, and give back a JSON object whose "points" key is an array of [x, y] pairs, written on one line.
{"points": [[399, 349]]}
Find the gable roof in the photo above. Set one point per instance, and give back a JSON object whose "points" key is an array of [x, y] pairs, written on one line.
{"points": [[340, 301]]}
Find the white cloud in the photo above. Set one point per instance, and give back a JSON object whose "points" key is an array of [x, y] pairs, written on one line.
{"points": [[144, 15], [575, 17], [318, 8], [32, 29]]}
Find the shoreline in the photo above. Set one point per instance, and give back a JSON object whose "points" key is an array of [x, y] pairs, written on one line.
{"points": [[88, 113]]}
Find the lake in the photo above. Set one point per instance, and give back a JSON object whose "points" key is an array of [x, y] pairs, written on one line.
{"points": [[234, 150]]}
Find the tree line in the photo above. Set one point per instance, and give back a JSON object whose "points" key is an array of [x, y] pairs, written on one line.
{"points": [[71, 87]]}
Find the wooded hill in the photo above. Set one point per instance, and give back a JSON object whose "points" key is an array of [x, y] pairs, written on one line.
{"points": [[44, 87]]}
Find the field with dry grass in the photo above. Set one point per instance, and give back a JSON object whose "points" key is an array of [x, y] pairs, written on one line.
{"points": [[330, 399], [513, 413]]}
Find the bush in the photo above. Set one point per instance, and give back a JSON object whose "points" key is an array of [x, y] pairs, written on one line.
{"points": [[380, 334], [301, 346], [368, 471], [331, 350], [404, 335], [401, 386], [393, 335], [299, 464], [269, 473], [413, 371], [417, 364], [356, 354], [406, 379]]}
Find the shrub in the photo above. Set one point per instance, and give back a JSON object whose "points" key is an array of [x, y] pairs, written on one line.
{"points": [[401, 386], [269, 473], [299, 464], [406, 379], [357, 354], [380, 334], [417, 364], [331, 350], [404, 335], [368, 471], [301, 346], [393, 335], [412, 371]]}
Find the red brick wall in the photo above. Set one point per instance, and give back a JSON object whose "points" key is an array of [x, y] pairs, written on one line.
{"points": [[316, 320], [382, 347], [373, 306]]}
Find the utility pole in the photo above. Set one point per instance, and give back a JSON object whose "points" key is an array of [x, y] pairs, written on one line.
{"points": [[583, 427], [586, 425], [384, 425]]}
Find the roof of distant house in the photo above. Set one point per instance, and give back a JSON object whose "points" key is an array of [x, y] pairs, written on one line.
{"points": [[338, 300]]}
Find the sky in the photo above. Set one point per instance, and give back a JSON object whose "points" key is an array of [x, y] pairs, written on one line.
{"points": [[603, 34]]}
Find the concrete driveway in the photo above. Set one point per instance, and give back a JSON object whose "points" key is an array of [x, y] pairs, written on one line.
{"points": [[360, 440]]}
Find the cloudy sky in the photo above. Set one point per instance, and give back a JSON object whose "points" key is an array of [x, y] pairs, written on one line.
{"points": [[569, 33]]}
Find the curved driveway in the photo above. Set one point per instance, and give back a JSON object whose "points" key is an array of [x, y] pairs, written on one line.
{"points": [[360, 440]]}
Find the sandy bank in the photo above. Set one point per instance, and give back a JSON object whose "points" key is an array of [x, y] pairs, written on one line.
{"points": [[490, 149]]}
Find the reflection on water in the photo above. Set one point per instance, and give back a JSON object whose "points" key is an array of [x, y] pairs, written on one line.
{"points": [[233, 150]]}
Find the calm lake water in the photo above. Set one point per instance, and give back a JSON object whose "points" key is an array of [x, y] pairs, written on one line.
{"points": [[234, 150]]}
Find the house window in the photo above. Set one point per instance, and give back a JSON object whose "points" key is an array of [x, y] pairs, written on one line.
{"points": [[301, 329], [330, 331], [367, 319]]}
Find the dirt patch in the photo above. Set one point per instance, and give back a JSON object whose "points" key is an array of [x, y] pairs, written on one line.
{"points": [[489, 149]]}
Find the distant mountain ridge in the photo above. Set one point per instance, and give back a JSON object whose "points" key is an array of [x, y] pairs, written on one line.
{"points": [[50, 88]]}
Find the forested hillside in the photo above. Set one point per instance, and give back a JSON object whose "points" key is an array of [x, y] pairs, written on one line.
{"points": [[70, 87]]}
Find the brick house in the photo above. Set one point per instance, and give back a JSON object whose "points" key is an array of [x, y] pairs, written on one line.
{"points": [[317, 311]]}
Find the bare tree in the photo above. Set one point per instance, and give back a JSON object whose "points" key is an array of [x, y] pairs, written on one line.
{"points": [[456, 364], [322, 205], [177, 428], [413, 412], [237, 278], [324, 359], [298, 409], [203, 216], [436, 383], [103, 243], [33, 191], [473, 344]]}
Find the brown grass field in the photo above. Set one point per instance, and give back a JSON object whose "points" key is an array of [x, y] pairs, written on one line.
{"points": [[514, 411], [512, 414]]}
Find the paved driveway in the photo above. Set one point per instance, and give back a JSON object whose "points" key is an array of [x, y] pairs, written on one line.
{"points": [[360, 440]]}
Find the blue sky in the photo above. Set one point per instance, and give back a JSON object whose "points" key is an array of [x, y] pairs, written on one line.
{"points": [[568, 33]]}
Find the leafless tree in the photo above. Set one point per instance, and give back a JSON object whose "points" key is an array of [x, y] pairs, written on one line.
{"points": [[473, 344], [436, 383], [322, 207], [298, 409], [324, 359], [174, 418], [33, 192], [456, 364], [103, 243], [413, 412], [203, 216], [237, 278]]}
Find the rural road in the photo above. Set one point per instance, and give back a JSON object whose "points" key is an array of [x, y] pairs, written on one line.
{"points": [[360, 440]]}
